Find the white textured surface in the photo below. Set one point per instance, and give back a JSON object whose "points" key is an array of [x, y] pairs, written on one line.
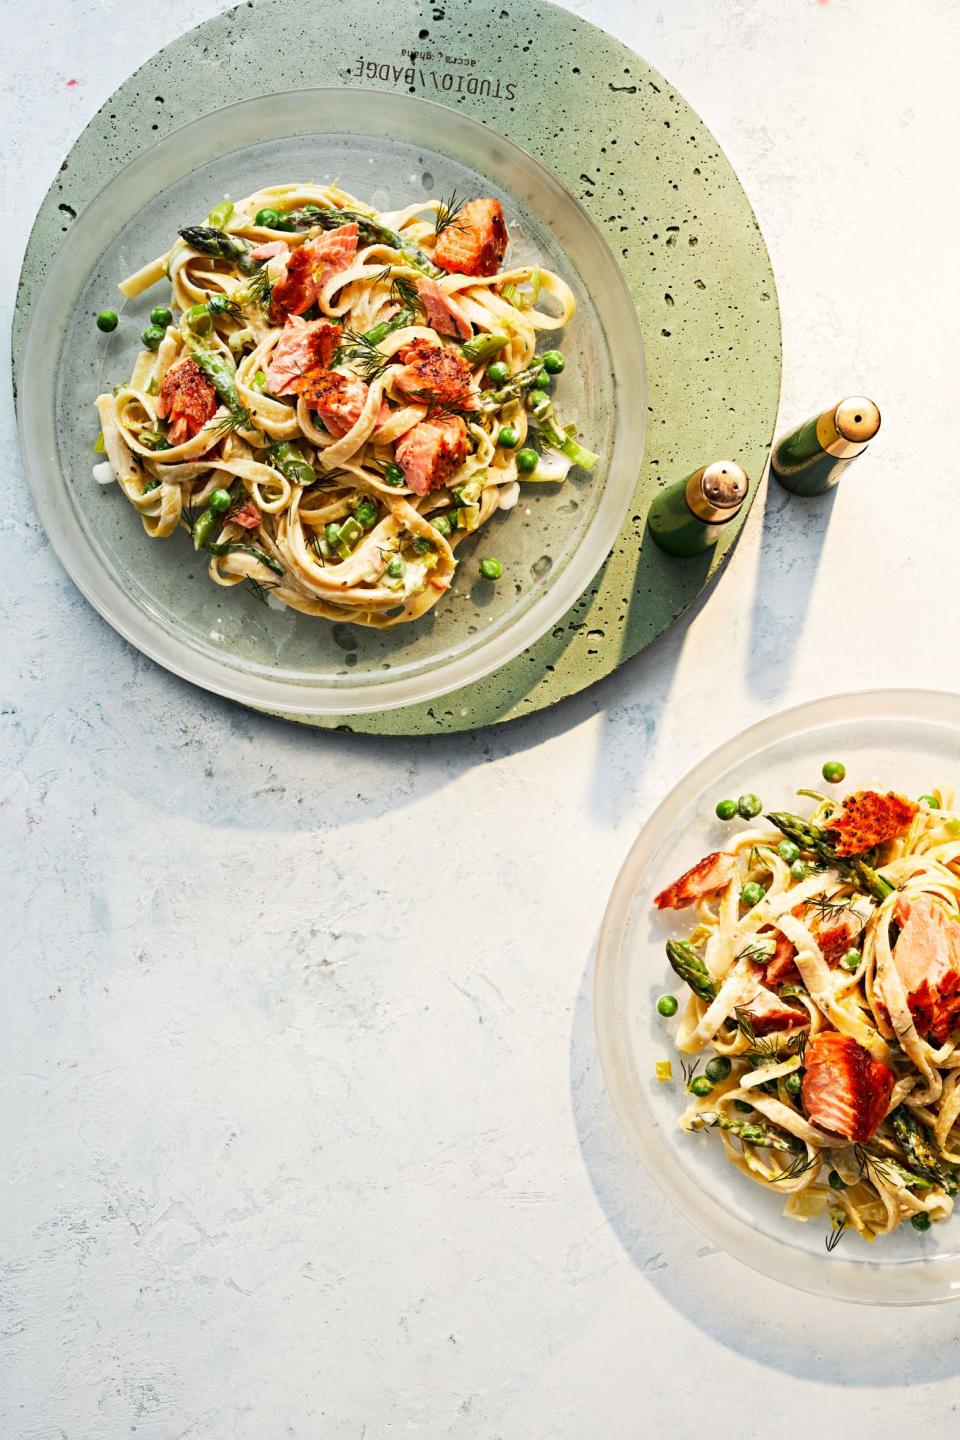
{"points": [[302, 1123]]}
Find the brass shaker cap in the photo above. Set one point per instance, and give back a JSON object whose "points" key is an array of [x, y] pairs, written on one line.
{"points": [[716, 492], [846, 430], [857, 419]]}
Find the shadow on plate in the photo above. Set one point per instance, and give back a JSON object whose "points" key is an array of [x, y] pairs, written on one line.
{"points": [[783, 1329]]}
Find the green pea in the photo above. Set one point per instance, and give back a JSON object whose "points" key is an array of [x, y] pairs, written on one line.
{"points": [[920, 1222], [749, 806], [932, 803], [393, 475], [742, 1106], [198, 319], [752, 894], [835, 1181], [668, 1005], [833, 772], [799, 870], [152, 337], [161, 315], [442, 523], [490, 569], [396, 567], [365, 514], [726, 809], [850, 960], [788, 851], [718, 1068], [527, 461], [220, 305], [553, 361], [107, 320], [219, 501], [508, 437], [700, 1085], [267, 218], [794, 1083], [331, 533], [499, 372]]}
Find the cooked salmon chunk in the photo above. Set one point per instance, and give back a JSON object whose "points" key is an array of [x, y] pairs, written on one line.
{"points": [[475, 240], [310, 267], [765, 1011], [304, 345], [442, 312], [780, 969], [430, 453], [437, 374], [844, 1089], [926, 957], [868, 819], [337, 399], [712, 873], [187, 400]]}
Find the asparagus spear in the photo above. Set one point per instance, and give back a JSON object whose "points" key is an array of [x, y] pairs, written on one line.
{"points": [[222, 377], [291, 464], [920, 1150], [493, 400], [373, 233], [752, 1133], [221, 245], [691, 969], [815, 838]]}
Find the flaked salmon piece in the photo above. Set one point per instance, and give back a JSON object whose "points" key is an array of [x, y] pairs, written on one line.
{"points": [[868, 819], [430, 453], [780, 968], [765, 1011], [475, 240], [398, 420], [267, 250], [443, 314], [436, 374], [712, 873], [304, 345], [844, 1089], [337, 399], [187, 400], [310, 267], [926, 956], [247, 516]]}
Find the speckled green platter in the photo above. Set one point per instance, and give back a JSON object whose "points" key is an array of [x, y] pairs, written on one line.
{"points": [[638, 159]]}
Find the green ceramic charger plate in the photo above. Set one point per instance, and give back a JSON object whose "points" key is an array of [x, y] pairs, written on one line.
{"points": [[641, 163]]}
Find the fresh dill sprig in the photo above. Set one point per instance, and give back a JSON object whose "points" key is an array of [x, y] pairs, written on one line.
{"points": [[229, 424], [404, 293], [757, 953], [448, 212], [191, 514], [689, 1068], [315, 546], [368, 361], [837, 1233], [832, 909], [260, 588], [257, 290], [798, 1167]]}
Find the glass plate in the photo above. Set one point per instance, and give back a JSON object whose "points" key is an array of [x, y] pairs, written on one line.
{"points": [[902, 739], [388, 150]]}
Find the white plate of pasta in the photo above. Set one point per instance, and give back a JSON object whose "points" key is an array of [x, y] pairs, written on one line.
{"points": [[777, 997], [361, 382]]}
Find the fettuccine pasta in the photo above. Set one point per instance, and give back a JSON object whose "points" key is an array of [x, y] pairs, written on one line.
{"points": [[335, 398], [821, 1025]]}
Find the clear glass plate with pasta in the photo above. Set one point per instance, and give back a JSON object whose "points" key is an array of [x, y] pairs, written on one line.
{"points": [[777, 997], [375, 380]]}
